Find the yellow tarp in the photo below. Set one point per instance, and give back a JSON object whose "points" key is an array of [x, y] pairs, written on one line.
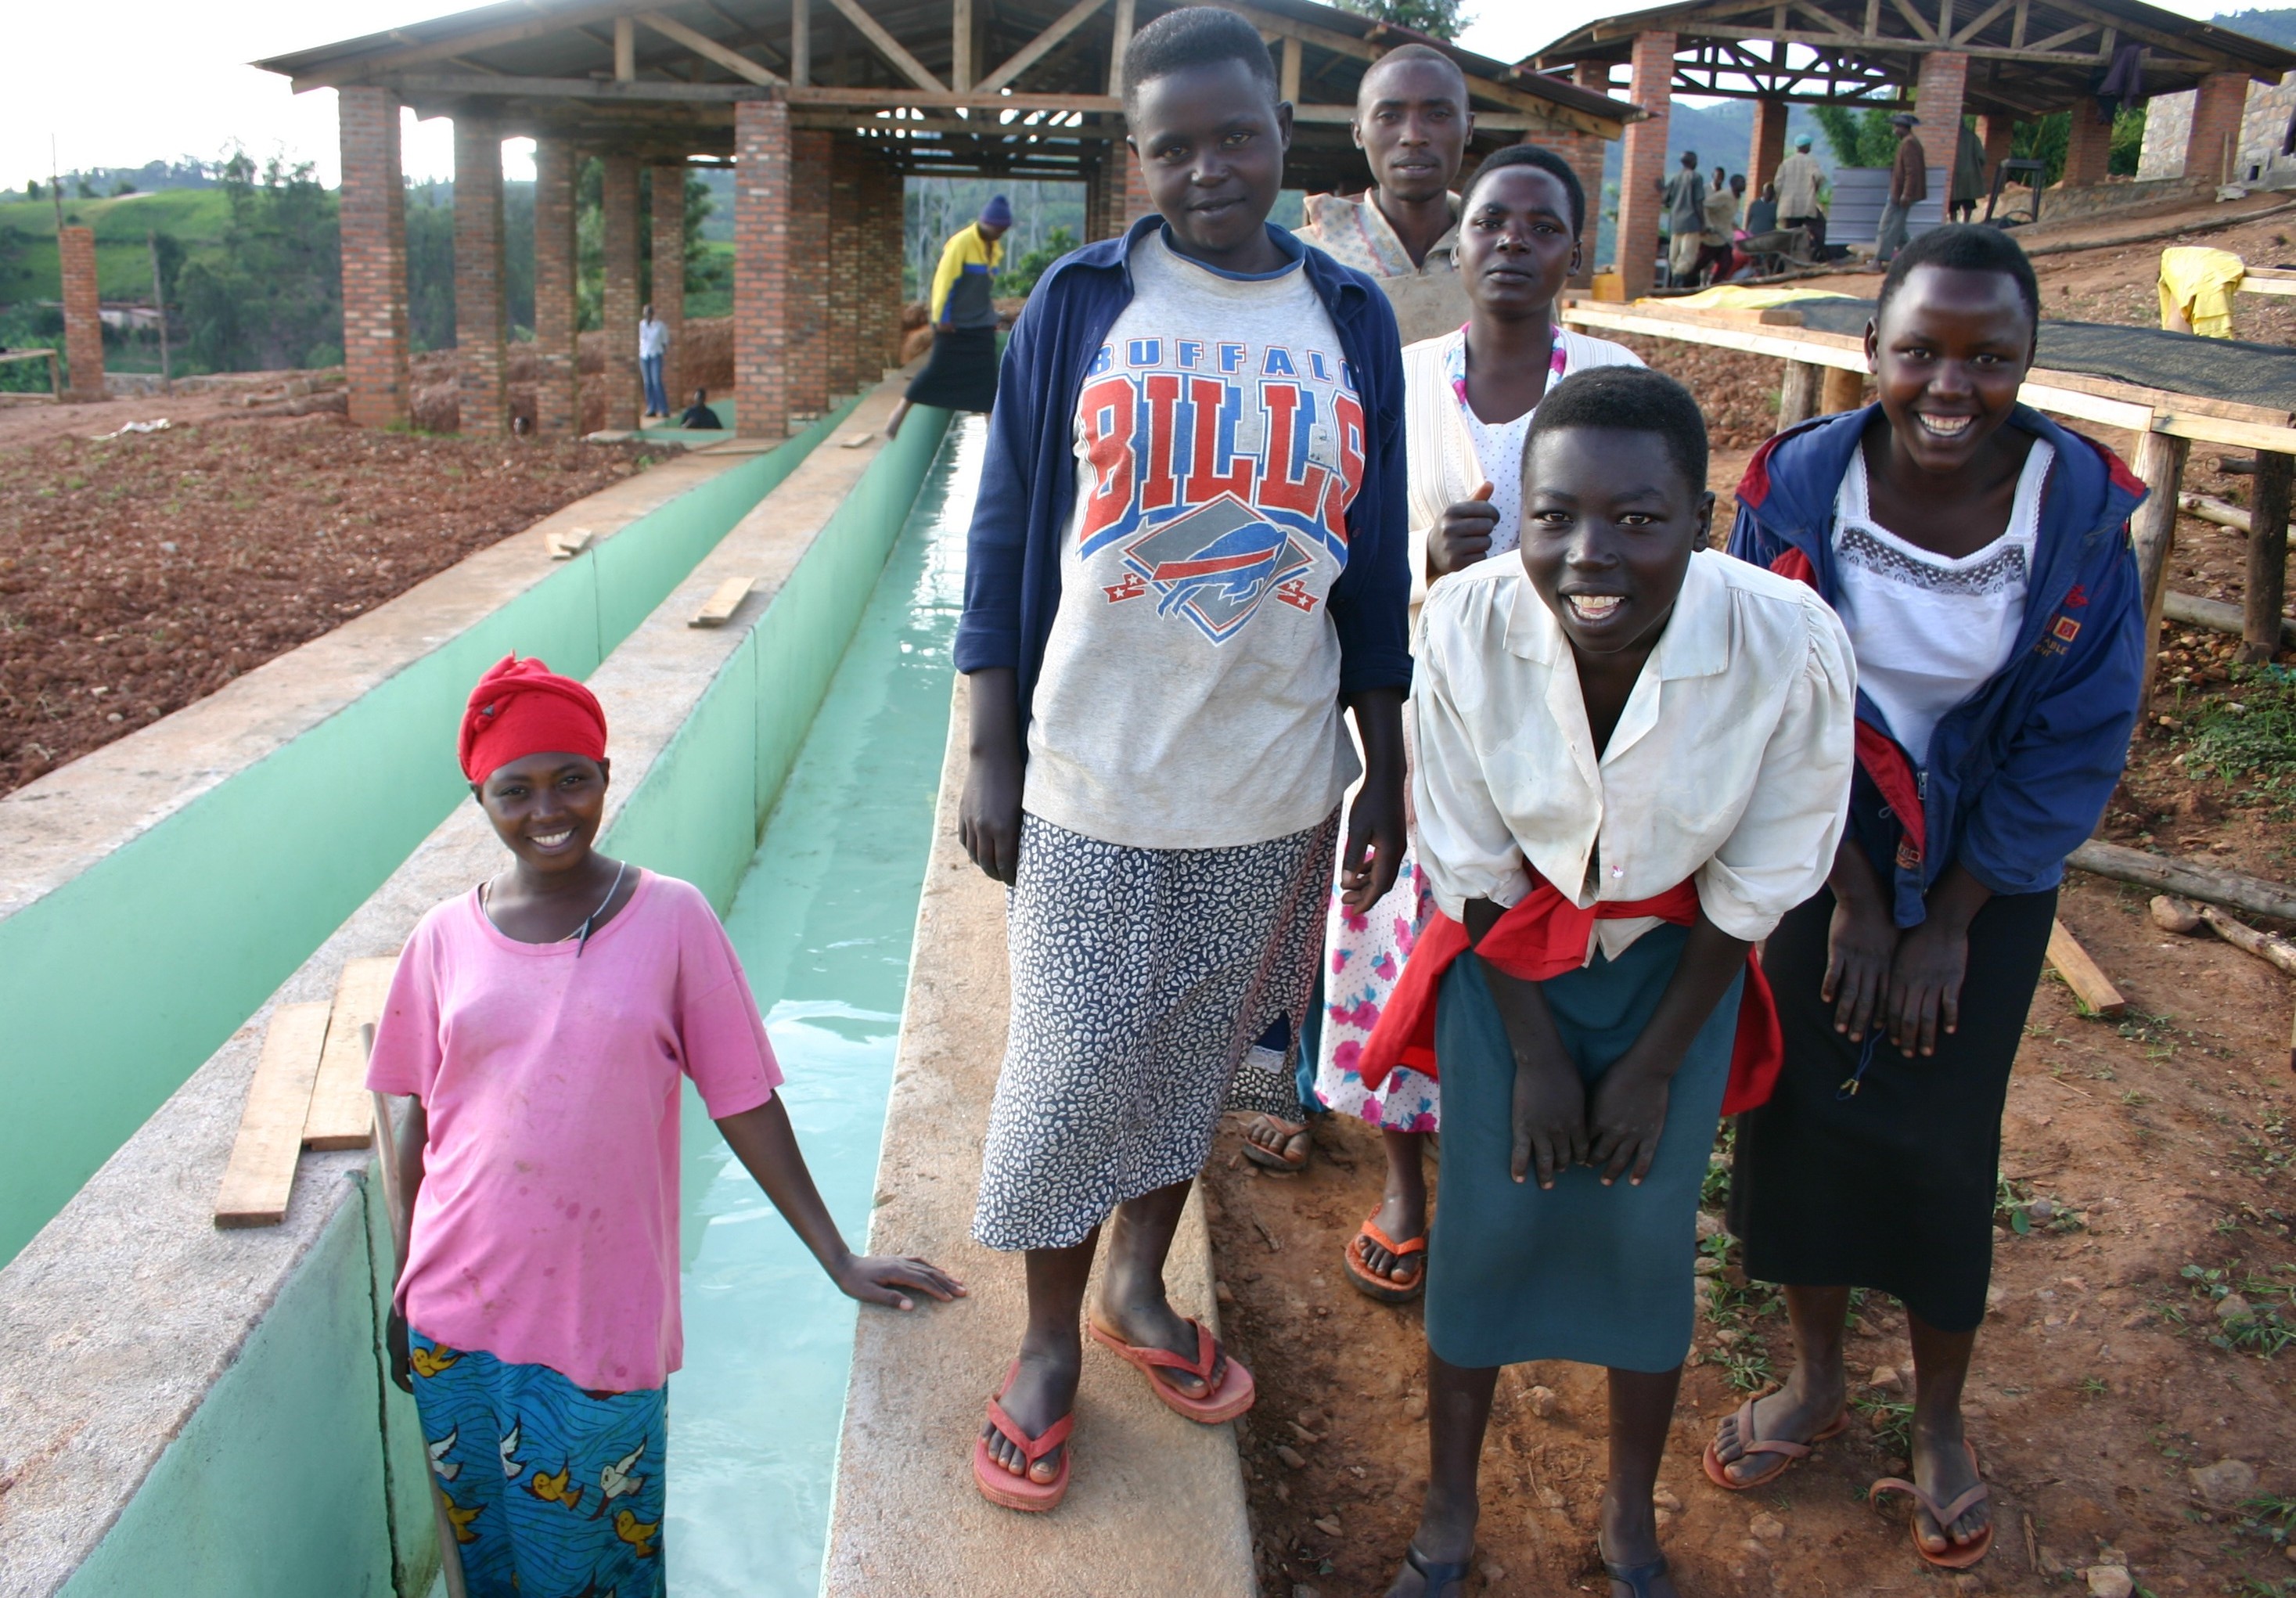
{"points": [[2197, 286], [1741, 297]]}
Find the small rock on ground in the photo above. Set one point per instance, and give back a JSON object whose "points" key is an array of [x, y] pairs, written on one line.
{"points": [[2109, 1581], [1769, 1528], [2224, 1484]]}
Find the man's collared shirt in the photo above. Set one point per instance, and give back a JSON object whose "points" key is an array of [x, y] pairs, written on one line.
{"points": [[1430, 298]]}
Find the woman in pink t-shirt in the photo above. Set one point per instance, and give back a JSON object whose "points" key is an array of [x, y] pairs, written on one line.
{"points": [[541, 1022]]}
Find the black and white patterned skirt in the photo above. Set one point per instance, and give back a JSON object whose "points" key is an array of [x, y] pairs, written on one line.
{"points": [[1141, 978]]}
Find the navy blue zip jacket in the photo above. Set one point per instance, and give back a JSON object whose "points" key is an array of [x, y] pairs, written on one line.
{"points": [[2016, 776], [1028, 483]]}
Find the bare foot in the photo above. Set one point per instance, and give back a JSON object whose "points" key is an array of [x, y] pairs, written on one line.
{"points": [[1143, 1317], [1945, 1469], [1283, 1144], [1795, 1414], [1043, 1391]]}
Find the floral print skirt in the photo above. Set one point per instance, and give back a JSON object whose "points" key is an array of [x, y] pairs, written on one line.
{"points": [[1363, 956]]}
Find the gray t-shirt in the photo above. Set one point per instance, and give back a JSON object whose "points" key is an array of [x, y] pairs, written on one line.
{"points": [[1685, 203], [1189, 691]]}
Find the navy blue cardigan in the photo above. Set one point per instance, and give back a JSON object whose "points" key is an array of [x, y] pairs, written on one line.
{"points": [[1028, 482], [2017, 777]]}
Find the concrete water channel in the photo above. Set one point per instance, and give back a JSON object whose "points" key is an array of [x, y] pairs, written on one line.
{"points": [[822, 921]]}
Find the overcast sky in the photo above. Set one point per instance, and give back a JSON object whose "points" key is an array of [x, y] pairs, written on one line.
{"points": [[175, 81]]}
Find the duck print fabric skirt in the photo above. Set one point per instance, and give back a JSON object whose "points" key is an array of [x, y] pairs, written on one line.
{"points": [[1141, 978], [552, 1491]]}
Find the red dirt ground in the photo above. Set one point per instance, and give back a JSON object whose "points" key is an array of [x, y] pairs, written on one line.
{"points": [[2161, 1143], [139, 574]]}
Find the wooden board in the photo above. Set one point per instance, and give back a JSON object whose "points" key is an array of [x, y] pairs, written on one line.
{"points": [[2082, 974], [261, 1175], [566, 544], [719, 609], [342, 1113]]}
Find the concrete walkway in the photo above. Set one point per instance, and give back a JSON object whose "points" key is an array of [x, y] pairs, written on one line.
{"points": [[1155, 1507]]}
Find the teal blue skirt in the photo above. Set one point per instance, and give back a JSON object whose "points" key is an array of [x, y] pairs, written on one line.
{"points": [[1578, 1271]]}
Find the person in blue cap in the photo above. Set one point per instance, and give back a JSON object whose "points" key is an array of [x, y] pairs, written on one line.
{"points": [[960, 374]]}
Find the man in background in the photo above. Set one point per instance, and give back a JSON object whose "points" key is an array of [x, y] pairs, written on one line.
{"points": [[653, 344], [1968, 173], [1412, 123], [1685, 221], [1798, 180], [1909, 185], [960, 374]]}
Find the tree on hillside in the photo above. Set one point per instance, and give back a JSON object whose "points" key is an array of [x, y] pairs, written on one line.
{"points": [[1442, 19], [1860, 138], [270, 294]]}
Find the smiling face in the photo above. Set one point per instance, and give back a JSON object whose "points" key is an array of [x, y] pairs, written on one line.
{"points": [[1210, 142], [1608, 525], [546, 808], [1412, 123], [1948, 354], [1515, 248]]}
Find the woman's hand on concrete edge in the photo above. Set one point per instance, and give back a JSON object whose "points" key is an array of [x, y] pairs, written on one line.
{"points": [[879, 1279]]}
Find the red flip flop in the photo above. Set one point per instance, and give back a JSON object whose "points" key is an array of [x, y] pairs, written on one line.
{"points": [[1719, 1473], [1235, 1393], [998, 1485], [1370, 1283], [1954, 1558]]}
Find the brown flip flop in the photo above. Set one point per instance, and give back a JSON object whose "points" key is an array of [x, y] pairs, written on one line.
{"points": [[998, 1485], [1290, 1159], [1954, 1558], [1370, 1283], [1788, 1452], [1236, 1391]]}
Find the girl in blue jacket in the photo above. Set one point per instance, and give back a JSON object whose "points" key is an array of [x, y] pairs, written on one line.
{"points": [[1978, 555]]}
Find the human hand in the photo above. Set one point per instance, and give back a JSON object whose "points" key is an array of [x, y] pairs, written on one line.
{"points": [[1463, 534], [394, 1342], [1374, 856], [1860, 944], [1925, 984], [1550, 1118], [879, 1278], [989, 815], [1624, 1119]]}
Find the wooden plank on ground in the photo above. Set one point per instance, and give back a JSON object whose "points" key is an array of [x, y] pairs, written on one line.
{"points": [[2082, 974], [342, 1112], [261, 1175], [568, 543], [719, 609]]}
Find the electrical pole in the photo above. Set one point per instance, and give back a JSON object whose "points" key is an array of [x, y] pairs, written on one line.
{"points": [[159, 300]]}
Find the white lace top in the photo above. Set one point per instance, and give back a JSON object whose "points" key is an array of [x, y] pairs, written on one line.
{"points": [[1930, 632]]}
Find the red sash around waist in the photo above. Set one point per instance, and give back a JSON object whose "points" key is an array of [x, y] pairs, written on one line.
{"points": [[1543, 937]]}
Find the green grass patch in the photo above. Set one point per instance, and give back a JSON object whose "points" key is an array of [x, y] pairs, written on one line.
{"points": [[2247, 735]]}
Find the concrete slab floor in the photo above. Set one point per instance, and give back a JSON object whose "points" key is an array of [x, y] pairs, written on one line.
{"points": [[1155, 1506]]}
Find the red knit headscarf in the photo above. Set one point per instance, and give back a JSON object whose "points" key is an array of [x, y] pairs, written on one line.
{"points": [[522, 707]]}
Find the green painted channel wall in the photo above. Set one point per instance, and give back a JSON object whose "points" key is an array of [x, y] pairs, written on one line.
{"points": [[118, 985], [302, 1472]]}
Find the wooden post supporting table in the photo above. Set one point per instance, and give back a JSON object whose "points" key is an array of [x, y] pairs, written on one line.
{"points": [[1798, 395], [2268, 557], [2160, 463], [1844, 389]]}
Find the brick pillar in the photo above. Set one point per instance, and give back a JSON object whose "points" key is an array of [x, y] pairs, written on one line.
{"points": [[1937, 101], [885, 228], [811, 153], [557, 408], [849, 268], [2088, 147], [618, 202], [1767, 151], [83, 313], [481, 322], [372, 211], [1643, 164], [1129, 201], [1585, 153], [670, 276], [2217, 112], [1997, 135], [761, 205]]}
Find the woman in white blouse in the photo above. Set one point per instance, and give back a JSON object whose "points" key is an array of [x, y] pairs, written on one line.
{"points": [[1471, 394], [1635, 756]]}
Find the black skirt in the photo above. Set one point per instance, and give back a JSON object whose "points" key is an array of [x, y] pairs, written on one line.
{"points": [[961, 372], [1893, 1187]]}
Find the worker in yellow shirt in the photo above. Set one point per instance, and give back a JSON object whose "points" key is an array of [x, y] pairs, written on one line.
{"points": [[960, 374]]}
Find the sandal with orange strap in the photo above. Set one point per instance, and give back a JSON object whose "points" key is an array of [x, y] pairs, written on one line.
{"points": [[1370, 1283], [1788, 1452], [1023, 1492], [1236, 1391], [1956, 1557]]}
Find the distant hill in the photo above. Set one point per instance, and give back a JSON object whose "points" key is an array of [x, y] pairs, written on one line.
{"points": [[2272, 27], [194, 217]]}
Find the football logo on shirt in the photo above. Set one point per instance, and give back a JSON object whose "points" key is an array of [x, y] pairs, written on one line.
{"points": [[1219, 477]]}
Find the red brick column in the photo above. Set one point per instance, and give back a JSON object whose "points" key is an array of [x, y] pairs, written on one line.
{"points": [[1131, 201], [1643, 164], [761, 207], [1096, 201], [557, 407], [2088, 147], [1585, 153], [1767, 149], [670, 276], [884, 235], [2217, 109], [849, 268], [83, 313], [1999, 135], [619, 310], [480, 321], [1937, 101], [372, 211], [811, 153]]}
